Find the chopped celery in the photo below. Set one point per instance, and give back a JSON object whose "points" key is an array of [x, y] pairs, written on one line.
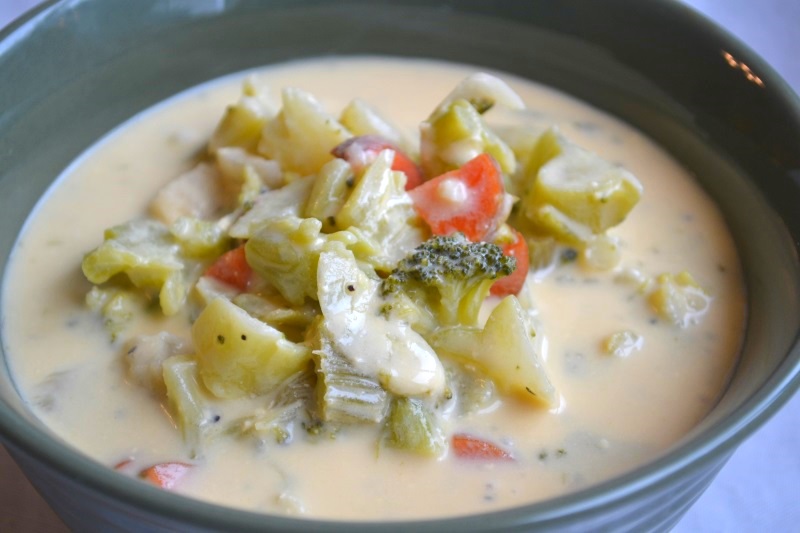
{"points": [[383, 212], [412, 427], [456, 134], [202, 239], [344, 394], [329, 192], [289, 200], [285, 251], [148, 254], [242, 123], [239, 355], [187, 402], [574, 194], [679, 299], [302, 136]]}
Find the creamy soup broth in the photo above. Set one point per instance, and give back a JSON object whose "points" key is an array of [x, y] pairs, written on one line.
{"points": [[615, 413]]}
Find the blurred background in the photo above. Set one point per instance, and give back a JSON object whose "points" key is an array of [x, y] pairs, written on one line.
{"points": [[757, 490]]}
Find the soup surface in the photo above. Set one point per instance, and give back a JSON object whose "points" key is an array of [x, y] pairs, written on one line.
{"points": [[612, 410]]}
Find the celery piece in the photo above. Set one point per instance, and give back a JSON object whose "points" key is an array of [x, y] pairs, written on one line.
{"points": [[201, 239], [148, 254], [239, 355], [197, 193], [345, 395], [289, 200], [285, 251], [383, 212], [456, 134], [302, 136], [483, 91], [362, 119], [679, 299], [116, 306], [186, 400], [412, 427], [572, 193], [241, 124], [329, 193]]}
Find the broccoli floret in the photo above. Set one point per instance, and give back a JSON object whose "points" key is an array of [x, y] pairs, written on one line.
{"points": [[450, 275]]}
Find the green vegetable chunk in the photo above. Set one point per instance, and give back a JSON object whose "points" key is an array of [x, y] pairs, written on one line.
{"points": [[450, 275], [329, 192], [504, 350], [383, 213], [116, 306], [574, 194], [243, 121], [187, 400], [412, 427], [148, 254], [345, 395], [679, 299], [238, 355], [302, 136], [456, 134], [200, 239]]}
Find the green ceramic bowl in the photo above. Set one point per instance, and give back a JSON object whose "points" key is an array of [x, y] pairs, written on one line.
{"points": [[71, 71]]}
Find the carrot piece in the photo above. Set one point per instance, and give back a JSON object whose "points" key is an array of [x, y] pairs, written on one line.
{"points": [[165, 475], [232, 268], [468, 200], [469, 447], [361, 151], [513, 283]]}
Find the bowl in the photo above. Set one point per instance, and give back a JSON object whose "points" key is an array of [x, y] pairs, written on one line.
{"points": [[683, 84]]}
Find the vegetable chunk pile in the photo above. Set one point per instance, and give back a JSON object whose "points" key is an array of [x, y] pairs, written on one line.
{"points": [[339, 275]]}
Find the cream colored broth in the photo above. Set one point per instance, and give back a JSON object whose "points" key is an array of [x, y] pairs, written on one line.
{"points": [[615, 413]]}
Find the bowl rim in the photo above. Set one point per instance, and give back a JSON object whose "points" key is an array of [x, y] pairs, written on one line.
{"points": [[715, 442]]}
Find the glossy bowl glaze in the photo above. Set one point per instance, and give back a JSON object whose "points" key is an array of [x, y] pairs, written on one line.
{"points": [[73, 70]]}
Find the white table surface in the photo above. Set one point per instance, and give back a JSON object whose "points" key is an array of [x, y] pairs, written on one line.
{"points": [[759, 488]]}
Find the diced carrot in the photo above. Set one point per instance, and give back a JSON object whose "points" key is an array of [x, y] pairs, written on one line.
{"points": [[123, 464], [361, 151], [469, 447], [513, 283], [232, 268], [468, 200], [165, 475]]}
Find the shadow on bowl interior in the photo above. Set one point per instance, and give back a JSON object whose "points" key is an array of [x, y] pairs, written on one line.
{"points": [[107, 60]]}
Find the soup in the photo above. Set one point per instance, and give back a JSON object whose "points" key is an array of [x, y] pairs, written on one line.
{"points": [[622, 350]]}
